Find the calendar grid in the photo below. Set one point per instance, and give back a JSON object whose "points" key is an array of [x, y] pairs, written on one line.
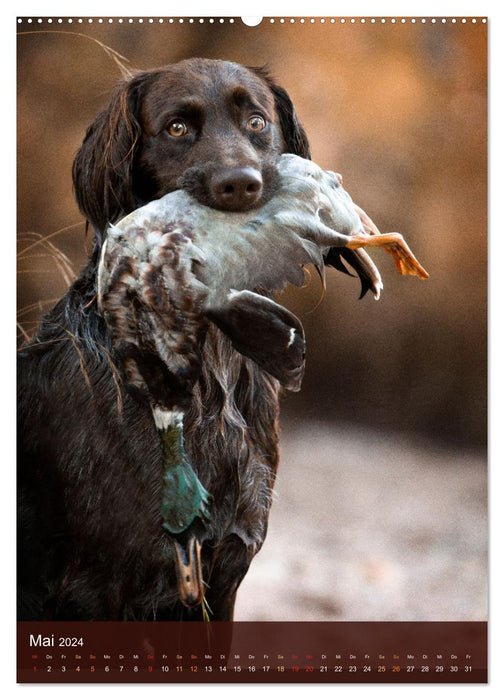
{"points": [[347, 652]]}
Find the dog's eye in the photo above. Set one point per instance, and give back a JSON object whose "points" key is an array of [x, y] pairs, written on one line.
{"points": [[256, 123], [177, 128]]}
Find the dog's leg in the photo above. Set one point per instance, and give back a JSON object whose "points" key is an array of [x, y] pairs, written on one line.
{"points": [[232, 561]]}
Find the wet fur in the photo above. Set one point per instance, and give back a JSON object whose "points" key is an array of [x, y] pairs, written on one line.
{"points": [[90, 541]]}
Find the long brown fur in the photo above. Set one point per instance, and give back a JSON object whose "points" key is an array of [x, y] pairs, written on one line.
{"points": [[91, 546]]}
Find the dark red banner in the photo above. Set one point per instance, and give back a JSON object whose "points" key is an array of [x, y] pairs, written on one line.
{"points": [[252, 652]]}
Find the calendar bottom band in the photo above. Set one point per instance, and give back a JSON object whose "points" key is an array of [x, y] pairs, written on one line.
{"points": [[252, 652]]}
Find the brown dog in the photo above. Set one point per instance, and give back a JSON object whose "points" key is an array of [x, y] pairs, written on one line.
{"points": [[91, 546]]}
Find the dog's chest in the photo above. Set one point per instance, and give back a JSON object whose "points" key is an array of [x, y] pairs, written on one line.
{"points": [[230, 408]]}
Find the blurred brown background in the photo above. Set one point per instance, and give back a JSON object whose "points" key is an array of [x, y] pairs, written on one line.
{"points": [[400, 111]]}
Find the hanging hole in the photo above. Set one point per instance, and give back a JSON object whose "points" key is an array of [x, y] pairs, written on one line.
{"points": [[251, 21]]}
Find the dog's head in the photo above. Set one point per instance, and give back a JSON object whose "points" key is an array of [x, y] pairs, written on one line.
{"points": [[214, 128]]}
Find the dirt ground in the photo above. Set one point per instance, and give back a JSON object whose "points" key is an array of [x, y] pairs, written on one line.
{"points": [[371, 527]]}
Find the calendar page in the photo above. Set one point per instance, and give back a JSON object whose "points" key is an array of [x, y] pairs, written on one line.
{"points": [[252, 349]]}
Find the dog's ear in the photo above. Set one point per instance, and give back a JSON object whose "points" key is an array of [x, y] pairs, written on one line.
{"points": [[294, 135], [103, 167], [293, 132]]}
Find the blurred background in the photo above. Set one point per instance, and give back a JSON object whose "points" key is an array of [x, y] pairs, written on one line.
{"points": [[381, 497]]}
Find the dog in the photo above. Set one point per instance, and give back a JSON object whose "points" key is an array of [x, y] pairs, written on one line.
{"points": [[90, 542]]}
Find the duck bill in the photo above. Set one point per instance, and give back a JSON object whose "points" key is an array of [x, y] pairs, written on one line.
{"points": [[188, 568]]}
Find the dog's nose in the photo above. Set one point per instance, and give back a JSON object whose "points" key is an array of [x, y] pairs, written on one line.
{"points": [[237, 189]]}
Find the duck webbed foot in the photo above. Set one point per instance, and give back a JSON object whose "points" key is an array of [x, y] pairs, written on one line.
{"points": [[395, 245]]}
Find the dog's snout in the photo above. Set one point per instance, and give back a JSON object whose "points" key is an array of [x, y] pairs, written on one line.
{"points": [[237, 189]]}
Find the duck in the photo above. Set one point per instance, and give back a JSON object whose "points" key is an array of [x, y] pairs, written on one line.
{"points": [[174, 266]]}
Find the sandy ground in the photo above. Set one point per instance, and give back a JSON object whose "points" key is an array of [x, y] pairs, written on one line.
{"points": [[370, 527]]}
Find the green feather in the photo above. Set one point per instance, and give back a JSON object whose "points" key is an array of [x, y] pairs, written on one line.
{"points": [[184, 497]]}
